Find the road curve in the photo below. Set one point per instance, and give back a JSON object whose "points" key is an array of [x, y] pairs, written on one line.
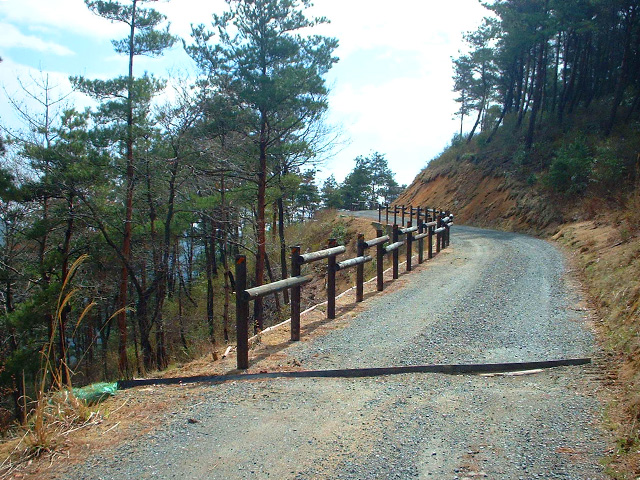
{"points": [[493, 297]]}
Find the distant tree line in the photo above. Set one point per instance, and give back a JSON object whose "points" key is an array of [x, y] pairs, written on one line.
{"points": [[119, 224], [550, 60], [371, 182]]}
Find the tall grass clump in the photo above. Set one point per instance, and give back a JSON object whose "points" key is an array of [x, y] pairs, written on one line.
{"points": [[55, 412]]}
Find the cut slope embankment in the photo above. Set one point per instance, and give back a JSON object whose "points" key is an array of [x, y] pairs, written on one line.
{"points": [[604, 243], [483, 200]]}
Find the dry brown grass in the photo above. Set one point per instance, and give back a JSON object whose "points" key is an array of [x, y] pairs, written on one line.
{"points": [[608, 255]]}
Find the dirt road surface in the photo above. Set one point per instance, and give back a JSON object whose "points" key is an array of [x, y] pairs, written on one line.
{"points": [[493, 297]]}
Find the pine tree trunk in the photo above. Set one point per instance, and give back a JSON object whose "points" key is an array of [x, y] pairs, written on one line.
{"points": [[261, 224], [621, 83], [283, 248], [123, 365], [537, 97]]}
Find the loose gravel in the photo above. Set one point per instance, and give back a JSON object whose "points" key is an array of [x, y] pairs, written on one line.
{"points": [[494, 297]]}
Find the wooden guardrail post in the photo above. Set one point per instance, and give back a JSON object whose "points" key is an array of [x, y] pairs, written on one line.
{"points": [[242, 313], [439, 234], [419, 216], [395, 214], [395, 254], [430, 243], [411, 211], [409, 248], [331, 282], [380, 263], [387, 220], [379, 213], [360, 269], [404, 211], [295, 295], [421, 241]]}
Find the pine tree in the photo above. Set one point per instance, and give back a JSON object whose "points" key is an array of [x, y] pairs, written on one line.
{"points": [[269, 69], [126, 103]]}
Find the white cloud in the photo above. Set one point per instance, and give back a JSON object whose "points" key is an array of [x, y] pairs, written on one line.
{"points": [[69, 15], [405, 25], [408, 119], [13, 38], [408, 115], [183, 13]]}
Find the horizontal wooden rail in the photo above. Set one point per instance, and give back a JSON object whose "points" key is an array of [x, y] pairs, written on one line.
{"points": [[320, 255], [426, 219], [404, 231], [376, 241], [393, 246], [352, 262], [264, 290]]}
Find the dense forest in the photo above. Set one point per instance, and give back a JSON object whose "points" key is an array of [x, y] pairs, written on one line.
{"points": [[535, 63], [119, 224]]}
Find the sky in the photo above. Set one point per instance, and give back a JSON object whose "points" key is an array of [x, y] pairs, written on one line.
{"points": [[391, 91]]}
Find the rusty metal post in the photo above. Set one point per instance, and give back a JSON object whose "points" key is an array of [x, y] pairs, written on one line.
{"points": [[242, 313], [360, 269], [430, 243], [295, 295], [380, 262], [421, 241], [409, 248], [395, 253], [331, 282]]}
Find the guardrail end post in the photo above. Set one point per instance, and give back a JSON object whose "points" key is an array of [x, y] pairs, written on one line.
{"points": [[331, 282], [242, 313], [395, 254], [295, 295], [360, 247], [380, 263], [421, 241], [409, 248], [439, 235]]}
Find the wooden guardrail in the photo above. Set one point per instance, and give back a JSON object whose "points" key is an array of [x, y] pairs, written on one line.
{"points": [[436, 225]]}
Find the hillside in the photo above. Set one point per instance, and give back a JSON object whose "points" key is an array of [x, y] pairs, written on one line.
{"points": [[503, 186]]}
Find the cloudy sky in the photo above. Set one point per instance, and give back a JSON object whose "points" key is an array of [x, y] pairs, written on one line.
{"points": [[390, 92]]}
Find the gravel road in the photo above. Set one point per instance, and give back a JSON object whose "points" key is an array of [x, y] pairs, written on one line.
{"points": [[494, 297]]}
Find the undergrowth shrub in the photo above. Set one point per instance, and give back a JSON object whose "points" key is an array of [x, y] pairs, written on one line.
{"points": [[609, 168], [571, 169]]}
